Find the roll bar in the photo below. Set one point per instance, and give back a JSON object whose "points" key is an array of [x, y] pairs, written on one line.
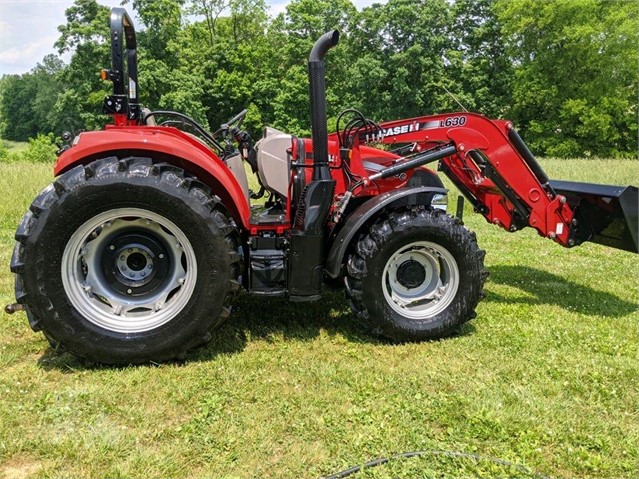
{"points": [[124, 100]]}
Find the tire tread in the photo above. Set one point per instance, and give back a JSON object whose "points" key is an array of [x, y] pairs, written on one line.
{"points": [[381, 232], [81, 176]]}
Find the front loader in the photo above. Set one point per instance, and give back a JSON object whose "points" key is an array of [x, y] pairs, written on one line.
{"points": [[139, 247]]}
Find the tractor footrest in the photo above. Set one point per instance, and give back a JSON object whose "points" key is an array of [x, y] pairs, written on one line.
{"points": [[268, 216], [269, 265], [270, 293], [268, 272]]}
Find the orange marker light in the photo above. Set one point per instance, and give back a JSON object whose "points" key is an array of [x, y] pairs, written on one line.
{"points": [[104, 74]]}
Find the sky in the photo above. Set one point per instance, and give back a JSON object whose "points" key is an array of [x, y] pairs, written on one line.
{"points": [[28, 29]]}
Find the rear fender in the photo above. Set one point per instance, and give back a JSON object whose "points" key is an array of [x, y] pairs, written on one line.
{"points": [[367, 212], [162, 144]]}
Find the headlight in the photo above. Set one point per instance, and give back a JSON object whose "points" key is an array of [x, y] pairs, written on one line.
{"points": [[439, 201]]}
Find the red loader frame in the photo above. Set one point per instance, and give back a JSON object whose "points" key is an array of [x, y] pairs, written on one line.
{"points": [[502, 183]]}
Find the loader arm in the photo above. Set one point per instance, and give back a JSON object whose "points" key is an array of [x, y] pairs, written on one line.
{"points": [[497, 173]]}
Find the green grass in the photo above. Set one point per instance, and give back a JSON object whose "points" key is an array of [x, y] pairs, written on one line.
{"points": [[545, 377], [14, 146]]}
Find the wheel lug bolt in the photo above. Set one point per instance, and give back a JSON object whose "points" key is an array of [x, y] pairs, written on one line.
{"points": [[161, 256], [142, 274], [111, 247], [130, 250], [150, 266], [122, 258], [129, 291], [124, 268]]}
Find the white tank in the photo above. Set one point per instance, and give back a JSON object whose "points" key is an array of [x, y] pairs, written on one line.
{"points": [[272, 160]]}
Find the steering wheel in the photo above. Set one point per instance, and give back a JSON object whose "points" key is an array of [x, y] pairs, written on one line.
{"points": [[239, 118]]}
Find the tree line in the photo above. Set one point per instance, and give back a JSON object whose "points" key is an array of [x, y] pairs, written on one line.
{"points": [[565, 72]]}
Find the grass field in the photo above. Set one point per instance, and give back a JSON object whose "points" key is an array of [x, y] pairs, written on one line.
{"points": [[545, 377], [14, 145]]}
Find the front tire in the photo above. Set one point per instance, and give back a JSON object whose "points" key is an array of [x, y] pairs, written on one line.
{"points": [[418, 274], [124, 261]]}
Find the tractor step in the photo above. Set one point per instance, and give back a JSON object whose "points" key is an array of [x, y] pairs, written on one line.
{"points": [[605, 214]]}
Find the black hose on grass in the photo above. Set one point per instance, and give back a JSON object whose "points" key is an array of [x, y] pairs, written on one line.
{"points": [[477, 457]]}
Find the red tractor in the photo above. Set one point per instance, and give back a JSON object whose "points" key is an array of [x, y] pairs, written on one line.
{"points": [[138, 249]]}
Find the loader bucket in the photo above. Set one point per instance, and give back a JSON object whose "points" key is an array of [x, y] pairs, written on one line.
{"points": [[605, 214]]}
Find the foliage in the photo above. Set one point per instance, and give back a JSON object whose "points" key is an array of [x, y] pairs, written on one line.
{"points": [[41, 149], [479, 60], [575, 90], [407, 59], [564, 71], [28, 101], [86, 33], [545, 377]]}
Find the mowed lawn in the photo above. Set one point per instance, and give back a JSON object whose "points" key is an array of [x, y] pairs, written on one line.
{"points": [[546, 377]]}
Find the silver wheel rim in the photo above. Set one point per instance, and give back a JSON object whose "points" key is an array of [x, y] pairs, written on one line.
{"points": [[129, 270], [434, 283]]}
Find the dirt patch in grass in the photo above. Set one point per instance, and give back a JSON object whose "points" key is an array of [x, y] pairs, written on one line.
{"points": [[20, 468]]}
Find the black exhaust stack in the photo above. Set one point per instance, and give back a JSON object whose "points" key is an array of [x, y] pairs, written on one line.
{"points": [[317, 87], [306, 252]]}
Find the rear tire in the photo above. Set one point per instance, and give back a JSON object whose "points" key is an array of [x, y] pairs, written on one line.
{"points": [[124, 261], [418, 274]]}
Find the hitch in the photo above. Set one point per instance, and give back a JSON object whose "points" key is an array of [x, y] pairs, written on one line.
{"points": [[13, 308]]}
